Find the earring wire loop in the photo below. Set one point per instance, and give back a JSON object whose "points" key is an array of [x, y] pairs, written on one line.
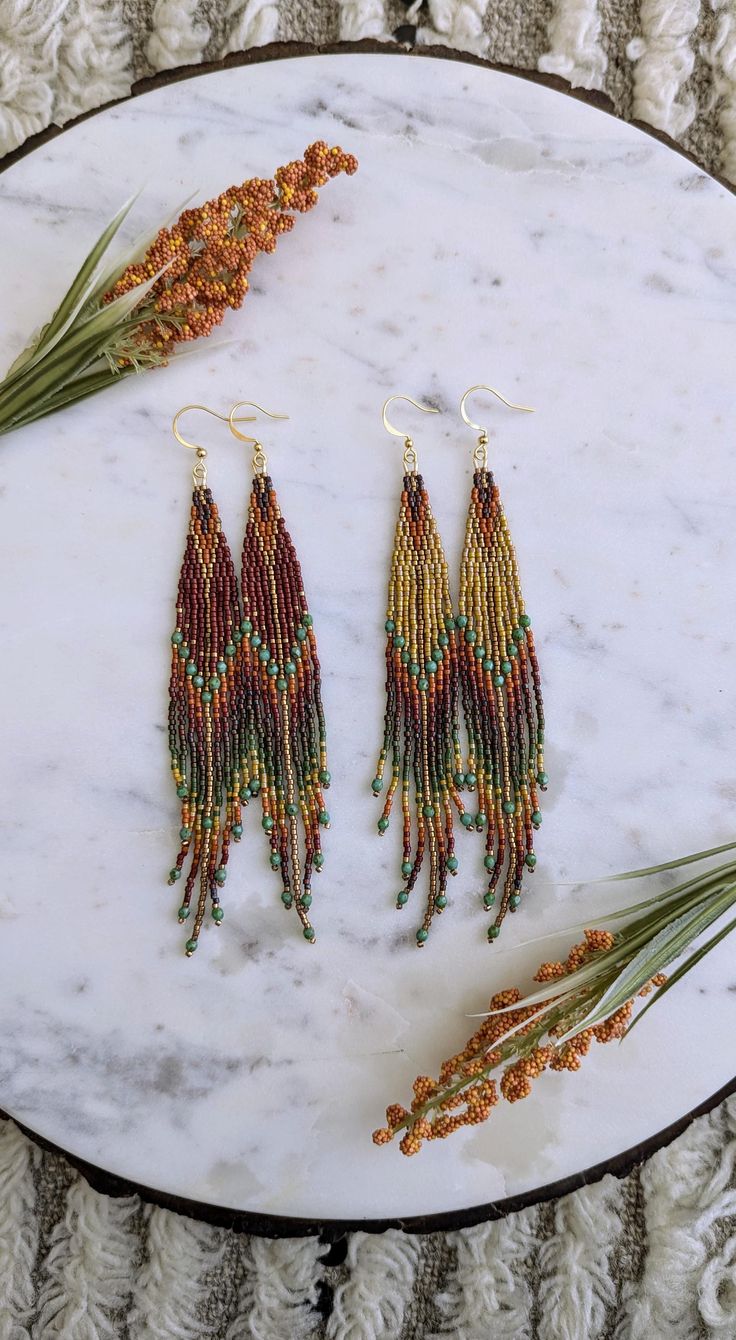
{"points": [[480, 453], [199, 473], [410, 455], [259, 456]]}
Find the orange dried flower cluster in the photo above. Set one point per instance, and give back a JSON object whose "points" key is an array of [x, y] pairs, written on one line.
{"points": [[205, 258], [464, 1094]]}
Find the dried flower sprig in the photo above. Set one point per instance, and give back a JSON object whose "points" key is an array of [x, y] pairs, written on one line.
{"points": [[590, 996], [116, 321]]}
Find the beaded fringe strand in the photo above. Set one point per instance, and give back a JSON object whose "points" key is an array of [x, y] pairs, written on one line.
{"points": [[206, 705], [285, 758], [501, 697], [420, 725]]}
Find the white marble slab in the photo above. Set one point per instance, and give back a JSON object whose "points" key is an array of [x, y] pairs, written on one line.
{"points": [[496, 231]]}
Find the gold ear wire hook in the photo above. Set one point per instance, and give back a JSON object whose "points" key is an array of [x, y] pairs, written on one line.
{"points": [[259, 456], [410, 455], [480, 454], [199, 473]]}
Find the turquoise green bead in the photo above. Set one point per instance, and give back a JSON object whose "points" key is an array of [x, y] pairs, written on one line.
{"points": [[414, 668], [525, 621], [177, 637], [264, 654], [255, 640], [489, 899], [506, 667], [509, 807], [443, 639], [221, 668], [377, 784], [190, 946], [498, 680], [319, 859], [421, 935], [183, 652], [217, 914], [324, 818], [430, 667], [428, 811], [438, 655], [511, 650], [537, 818], [462, 620], [290, 668], [181, 791], [255, 786], [183, 912], [470, 636], [480, 819], [440, 902], [301, 634], [273, 668], [406, 867], [488, 663], [230, 649], [306, 901], [517, 634], [308, 932], [245, 794], [402, 898], [530, 859], [221, 874], [292, 809], [282, 684], [449, 622], [382, 825], [214, 682], [237, 636], [296, 652], [479, 653], [286, 898], [191, 668], [422, 685], [470, 779], [206, 696], [494, 932], [185, 834], [466, 820], [174, 875], [207, 823], [237, 831], [325, 777], [267, 823], [389, 625], [246, 626], [275, 860], [489, 860], [198, 681], [542, 778], [459, 779], [405, 657], [307, 620], [514, 901], [452, 864], [399, 641]]}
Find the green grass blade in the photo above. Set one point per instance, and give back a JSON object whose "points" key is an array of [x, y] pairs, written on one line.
{"points": [[669, 865], [76, 295], [690, 962]]}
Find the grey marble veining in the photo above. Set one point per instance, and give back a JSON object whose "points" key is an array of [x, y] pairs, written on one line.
{"points": [[496, 232]]}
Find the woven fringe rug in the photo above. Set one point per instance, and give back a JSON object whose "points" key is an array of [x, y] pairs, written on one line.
{"points": [[651, 1257]]}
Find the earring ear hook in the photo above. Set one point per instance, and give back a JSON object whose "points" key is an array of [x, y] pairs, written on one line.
{"points": [[410, 455], [259, 455], [526, 409]]}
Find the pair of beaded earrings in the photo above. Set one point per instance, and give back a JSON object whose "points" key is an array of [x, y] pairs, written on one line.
{"points": [[245, 710], [482, 657]]}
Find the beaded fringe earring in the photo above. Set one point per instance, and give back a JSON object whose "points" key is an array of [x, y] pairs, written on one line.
{"points": [[420, 724], [500, 686], [205, 703], [285, 758]]}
